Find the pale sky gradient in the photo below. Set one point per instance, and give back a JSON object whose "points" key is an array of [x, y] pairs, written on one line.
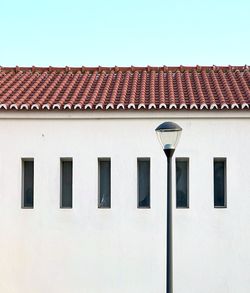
{"points": [[124, 33]]}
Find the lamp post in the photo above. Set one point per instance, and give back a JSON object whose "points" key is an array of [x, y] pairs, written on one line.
{"points": [[169, 134]]}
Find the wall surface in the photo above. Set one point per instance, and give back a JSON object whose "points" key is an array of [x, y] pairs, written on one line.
{"points": [[122, 249]]}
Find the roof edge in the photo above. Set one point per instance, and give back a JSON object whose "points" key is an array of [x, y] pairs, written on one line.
{"points": [[126, 68]]}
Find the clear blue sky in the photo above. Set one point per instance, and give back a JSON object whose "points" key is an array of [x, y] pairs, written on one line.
{"points": [[124, 33]]}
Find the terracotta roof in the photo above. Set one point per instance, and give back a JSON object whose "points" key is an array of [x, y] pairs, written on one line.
{"points": [[83, 88]]}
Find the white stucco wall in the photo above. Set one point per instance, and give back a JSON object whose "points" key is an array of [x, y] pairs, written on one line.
{"points": [[122, 249]]}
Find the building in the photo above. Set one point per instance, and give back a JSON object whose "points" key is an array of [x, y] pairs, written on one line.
{"points": [[83, 179]]}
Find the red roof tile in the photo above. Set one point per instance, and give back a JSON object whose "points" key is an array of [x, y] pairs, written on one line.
{"points": [[125, 88]]}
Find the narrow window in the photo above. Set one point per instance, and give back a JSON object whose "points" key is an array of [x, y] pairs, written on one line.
{"points": [[66, 183], [220, 182], [182, 182], [143, 174], [28, 183], [104, 190]]}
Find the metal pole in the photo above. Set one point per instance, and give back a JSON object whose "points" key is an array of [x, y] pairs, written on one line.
{"points": [[169, 249]]}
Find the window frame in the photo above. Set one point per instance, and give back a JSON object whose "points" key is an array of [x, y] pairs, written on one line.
{"points": [[103, 159], [181, 159], [221, 159], [143, 159], [66, 159], [23, 160]]}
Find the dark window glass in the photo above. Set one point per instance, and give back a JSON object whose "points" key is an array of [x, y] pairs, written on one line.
{"points": [[28, 184], [104, 197], [219, 182], [143, 167], [182, 192], [66, 183]]}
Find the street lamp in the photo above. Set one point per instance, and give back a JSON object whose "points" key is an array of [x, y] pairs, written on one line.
{"points": [[169, 134]]}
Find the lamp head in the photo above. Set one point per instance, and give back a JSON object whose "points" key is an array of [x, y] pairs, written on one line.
{"points": [[168, 134]]}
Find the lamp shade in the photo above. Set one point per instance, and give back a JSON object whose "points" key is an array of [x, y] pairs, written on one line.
{"points": [[168, 134]]}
